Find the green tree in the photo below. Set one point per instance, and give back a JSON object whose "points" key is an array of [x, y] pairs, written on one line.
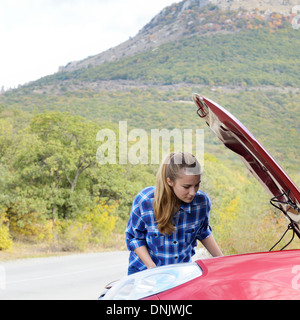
{"points": [[49, 160]]}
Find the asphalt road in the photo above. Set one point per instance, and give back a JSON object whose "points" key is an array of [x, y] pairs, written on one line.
{"points": [[74, 277]]}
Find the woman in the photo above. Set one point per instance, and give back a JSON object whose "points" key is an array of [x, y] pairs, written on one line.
{"points": [[166, 220]]}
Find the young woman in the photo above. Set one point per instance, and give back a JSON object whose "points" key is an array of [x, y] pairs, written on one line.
{"points": [[167, 220]]}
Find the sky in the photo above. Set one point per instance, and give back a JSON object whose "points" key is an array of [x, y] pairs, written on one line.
{"points": [[38, 36]]}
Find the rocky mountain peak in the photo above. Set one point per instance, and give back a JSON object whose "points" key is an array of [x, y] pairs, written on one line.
{"points": [[279, 6], [190, 17]]}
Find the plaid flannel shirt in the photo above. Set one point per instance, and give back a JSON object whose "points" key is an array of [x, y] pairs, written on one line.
{"points": [[191, 222]]}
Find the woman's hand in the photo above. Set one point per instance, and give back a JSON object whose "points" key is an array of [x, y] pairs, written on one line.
{"points": [[212, 247], [144, 255]]}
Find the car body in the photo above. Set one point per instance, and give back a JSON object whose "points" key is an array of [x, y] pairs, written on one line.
{"points": [[255, 276]]}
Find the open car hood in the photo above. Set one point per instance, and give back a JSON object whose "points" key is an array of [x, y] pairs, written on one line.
{"points": [[236, 137]]}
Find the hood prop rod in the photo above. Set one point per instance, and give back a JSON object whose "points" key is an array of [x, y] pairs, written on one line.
{"points": [[292, 225]]}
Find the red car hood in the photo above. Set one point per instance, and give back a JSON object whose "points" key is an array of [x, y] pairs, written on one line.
{"points": [[236, 137]]}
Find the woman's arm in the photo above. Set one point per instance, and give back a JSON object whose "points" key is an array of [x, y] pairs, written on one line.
{"points": [[144, 255], [212, 247]]}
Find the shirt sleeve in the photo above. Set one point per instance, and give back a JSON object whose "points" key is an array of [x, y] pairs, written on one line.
{"points": [[205, 231], [136, 230]]}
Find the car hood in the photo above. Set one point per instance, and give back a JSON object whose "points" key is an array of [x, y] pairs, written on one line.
{"points": [[236, 137]]}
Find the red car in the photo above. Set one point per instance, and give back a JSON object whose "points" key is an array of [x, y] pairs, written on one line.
{"points": [[256, 276]]}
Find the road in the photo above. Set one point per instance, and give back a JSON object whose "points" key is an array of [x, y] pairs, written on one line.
{"points": [[72, 277]]}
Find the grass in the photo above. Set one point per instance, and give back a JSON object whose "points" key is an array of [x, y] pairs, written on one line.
{"points": [[27, 250]]}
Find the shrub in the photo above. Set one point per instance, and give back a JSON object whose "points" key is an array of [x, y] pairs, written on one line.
{"points": [[5, 238], [31, 226], [102, 221], [72, 235]]}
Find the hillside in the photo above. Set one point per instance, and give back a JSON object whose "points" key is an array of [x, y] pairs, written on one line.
{"points": [[240, 58], [195, 17], [253, 58], [53, 191], [250, 72]]}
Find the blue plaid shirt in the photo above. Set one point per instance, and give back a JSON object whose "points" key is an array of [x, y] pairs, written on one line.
{"points": [[191, 223]]}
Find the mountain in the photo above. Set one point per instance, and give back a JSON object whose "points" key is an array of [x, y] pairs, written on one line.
{"points": [[192, 17], [246, 60], [280, 6]]}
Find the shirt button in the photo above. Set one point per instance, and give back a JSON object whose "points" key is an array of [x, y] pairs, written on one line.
{"points": [[176, 257], [175, 242]]}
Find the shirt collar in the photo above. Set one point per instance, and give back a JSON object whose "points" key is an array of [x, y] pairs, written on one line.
{"points": [[186, 207]]}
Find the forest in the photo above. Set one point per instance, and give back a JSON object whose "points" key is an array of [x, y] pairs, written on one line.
{"points": [[54, 192]]}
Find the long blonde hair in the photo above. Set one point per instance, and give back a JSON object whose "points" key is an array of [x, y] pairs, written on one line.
{"points": [[165, 200]]}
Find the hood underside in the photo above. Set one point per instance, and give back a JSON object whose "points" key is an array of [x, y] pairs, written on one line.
{"points": [[236, 137]]}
